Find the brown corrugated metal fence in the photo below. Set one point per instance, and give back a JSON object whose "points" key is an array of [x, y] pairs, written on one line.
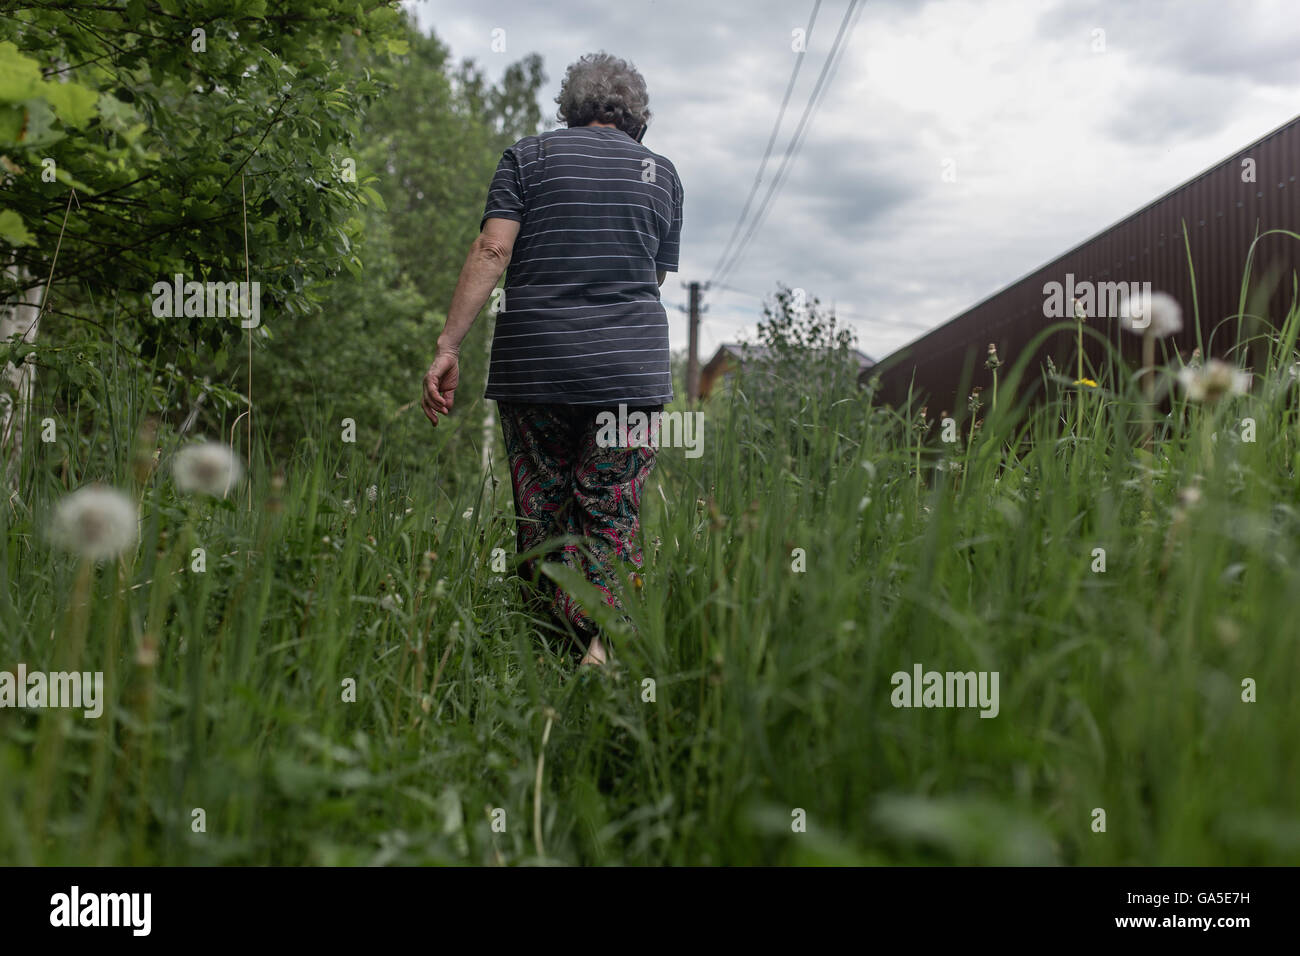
{"points": [[1222, 213]]}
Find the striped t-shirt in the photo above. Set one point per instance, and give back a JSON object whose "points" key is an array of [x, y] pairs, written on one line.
{"points": [[580, 322]]}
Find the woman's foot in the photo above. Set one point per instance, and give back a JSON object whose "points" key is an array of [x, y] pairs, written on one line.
{"points": [[595, 655]]}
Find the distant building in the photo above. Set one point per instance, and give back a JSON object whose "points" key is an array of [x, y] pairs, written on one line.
{"points": [[728, 358]]}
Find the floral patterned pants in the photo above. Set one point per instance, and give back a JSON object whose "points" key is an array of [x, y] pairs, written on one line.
{"points": [[566, 484]]}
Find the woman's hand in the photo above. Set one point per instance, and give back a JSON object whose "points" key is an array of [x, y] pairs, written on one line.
{"points": [[440, 384]]}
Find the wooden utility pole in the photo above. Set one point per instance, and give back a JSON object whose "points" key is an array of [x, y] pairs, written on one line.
{"points": [[693, 350]]}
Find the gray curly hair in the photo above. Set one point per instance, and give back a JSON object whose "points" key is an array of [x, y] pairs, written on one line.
{"points": [[604, 89]]}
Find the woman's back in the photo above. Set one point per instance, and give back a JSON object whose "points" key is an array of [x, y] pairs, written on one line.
{"points": [[581, 321]]}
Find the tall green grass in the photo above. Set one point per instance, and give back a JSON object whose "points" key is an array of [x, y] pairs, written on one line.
{"points": [[1120, 690]]}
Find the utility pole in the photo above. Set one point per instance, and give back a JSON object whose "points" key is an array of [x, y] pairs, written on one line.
{"points": [[693, 349]]}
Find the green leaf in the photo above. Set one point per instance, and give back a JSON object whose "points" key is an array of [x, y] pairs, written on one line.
{"points": [[20, 80], [20, 76], [12, 229], [40, 129], [12, 120], [65, 177], [73, 103]]}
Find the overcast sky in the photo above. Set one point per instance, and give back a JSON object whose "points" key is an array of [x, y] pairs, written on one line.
{"points": [[1053, 130]]}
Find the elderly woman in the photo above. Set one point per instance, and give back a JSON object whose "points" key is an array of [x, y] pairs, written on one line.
{"points": [[588, 221]]}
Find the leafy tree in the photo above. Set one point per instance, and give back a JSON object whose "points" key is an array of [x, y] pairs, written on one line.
{"points": [[802, 370], [430, 146], [188, 130], [802, 353], [333, 139]]}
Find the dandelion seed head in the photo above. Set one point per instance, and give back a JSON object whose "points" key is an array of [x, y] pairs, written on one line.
{"points": [[209, 468], [1215, 380], [1157, 314], [95, 522]]}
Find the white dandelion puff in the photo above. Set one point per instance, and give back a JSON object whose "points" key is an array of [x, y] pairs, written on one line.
{"points": [[1213, 381], [96, 522], [391, 602], [209, 468], [373, 493], [1157, 314]]}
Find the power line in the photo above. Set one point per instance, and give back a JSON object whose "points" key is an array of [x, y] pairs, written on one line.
{"points": [[838, 310], [810, 109], [853, 316], [771, 140], [814, 101], [732, 288]]}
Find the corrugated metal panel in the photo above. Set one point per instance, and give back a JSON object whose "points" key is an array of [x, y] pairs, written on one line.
{"points": [[1222, 214]]}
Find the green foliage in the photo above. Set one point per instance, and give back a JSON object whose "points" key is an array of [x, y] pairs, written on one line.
{"points": [[183, 133], [188, 135], [30, 103], [426, 153], [803, 356], [280, 129], [1120, 689]]}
